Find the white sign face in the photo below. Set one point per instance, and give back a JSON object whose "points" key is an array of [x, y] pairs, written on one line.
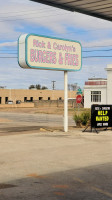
{"points": [[39, 52]]}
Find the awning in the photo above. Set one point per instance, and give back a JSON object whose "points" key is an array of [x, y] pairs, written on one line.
{"points": [[97, 8]]}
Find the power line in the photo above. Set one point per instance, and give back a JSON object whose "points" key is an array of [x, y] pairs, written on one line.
{"points": [[54, 15], [67, 12], [33, 17], [8, 53], [82, 51], [88, 51], [8, 57], [98, 50], [8, 50], [98, 46], [97, 57], [90, 30], [34, 12], [82, 57], [29, 10], [82, 47], [55, 20]]}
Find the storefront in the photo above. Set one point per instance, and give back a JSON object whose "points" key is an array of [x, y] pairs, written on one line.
{"points": [[98, 90]]}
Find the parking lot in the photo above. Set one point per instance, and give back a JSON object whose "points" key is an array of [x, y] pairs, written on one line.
{"points": [[11, 122], [53, 165]]}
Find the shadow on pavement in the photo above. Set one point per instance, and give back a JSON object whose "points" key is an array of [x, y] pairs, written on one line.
{"points": [[91, 183]]}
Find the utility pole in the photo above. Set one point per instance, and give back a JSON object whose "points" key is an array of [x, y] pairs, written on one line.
{"points": [[53, 85]]}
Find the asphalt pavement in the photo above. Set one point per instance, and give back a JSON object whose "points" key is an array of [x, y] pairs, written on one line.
{"points": [[14, 122], [56, 166]]}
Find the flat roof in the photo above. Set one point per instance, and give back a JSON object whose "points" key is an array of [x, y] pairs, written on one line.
{"points": [[97, 8], [94, 79]]}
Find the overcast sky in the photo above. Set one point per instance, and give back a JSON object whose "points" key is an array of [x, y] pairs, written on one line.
{"points": [[23, 16]]}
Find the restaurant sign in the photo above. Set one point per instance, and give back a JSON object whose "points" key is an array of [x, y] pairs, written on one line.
{"points": [[41, 52]]}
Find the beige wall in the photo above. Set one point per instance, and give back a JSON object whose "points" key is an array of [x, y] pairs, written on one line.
{"points": [[19, 94], [22, 105]]}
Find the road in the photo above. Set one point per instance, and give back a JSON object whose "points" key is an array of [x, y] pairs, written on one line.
{"points": [[10, 121], [56, 166]]}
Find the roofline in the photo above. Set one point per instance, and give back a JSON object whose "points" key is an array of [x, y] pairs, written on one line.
{"points": [[94, 79], [64, 7]]}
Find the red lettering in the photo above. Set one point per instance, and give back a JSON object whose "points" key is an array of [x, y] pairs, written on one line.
{"points": [[42, 56], [31, 55], [71, 59]]}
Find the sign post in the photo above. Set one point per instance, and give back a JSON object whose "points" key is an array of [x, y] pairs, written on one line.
{"points": [[78, 100], [41, 52], [65, 101]]}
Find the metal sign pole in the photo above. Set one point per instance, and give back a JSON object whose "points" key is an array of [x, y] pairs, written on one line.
{"points": [[65, 101]]}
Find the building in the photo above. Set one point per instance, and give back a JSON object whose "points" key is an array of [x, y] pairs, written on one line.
{"points": [[30, 95], [98, 90], [95, 92]]}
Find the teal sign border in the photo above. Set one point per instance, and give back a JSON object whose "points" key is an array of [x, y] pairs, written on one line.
{"points": [[47, 68]]}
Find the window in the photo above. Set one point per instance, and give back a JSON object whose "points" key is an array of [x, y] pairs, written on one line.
{"points": [[40, 98], [6, 99], [95, 96], [31, 99], [25, 99], [0, 100], [49, 98], [60, 98]]}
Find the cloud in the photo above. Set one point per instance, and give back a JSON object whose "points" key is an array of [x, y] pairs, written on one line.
{"points": [[24, 16], [19, 13], [104, 42], [8, 44]]}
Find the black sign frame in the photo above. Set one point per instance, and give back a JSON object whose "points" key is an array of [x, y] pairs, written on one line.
{"points": [[101, 116]]}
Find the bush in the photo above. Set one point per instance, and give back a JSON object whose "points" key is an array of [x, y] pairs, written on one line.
{"points": [[77, 119], [85, 117], [82, 119]]}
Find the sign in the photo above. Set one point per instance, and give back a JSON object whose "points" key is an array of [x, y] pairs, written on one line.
{"points": [[41, 52], [78, 99], [79, 91], [101, 116]]}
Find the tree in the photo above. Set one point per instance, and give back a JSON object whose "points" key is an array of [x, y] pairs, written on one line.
{"points": [[73, 87], [44, 88], [69, 86], [38, 87], [31, 86]]}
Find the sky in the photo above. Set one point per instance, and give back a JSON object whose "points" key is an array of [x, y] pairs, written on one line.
{"points": [[19, 17]]}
